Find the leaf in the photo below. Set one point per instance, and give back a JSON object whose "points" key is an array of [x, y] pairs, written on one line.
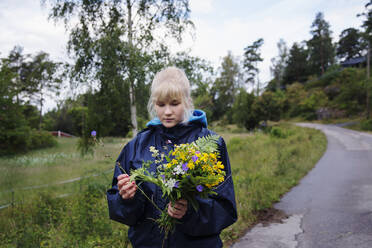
{"points": [[207, 144]]}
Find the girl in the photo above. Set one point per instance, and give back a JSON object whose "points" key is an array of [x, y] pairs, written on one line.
{"points": [[174, 122]]}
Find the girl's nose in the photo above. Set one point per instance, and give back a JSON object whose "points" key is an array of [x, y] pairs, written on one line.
{"points": [[168, 110]]}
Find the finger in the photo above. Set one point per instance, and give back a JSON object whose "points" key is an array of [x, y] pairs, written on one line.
{"points": [[180, 206], [182, 202], [122, 176], [128, 186], [128, 194], [172, 212], [124, 181], [171, 209]]}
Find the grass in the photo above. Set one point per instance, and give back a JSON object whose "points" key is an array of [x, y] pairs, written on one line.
{"points": [[22, 173], [264, 167]]}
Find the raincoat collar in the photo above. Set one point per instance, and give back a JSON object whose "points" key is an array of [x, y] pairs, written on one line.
{"points": [[197, 117]]}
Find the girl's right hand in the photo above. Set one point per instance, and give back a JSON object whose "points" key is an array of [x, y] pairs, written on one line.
{"points": [[127, 189]]}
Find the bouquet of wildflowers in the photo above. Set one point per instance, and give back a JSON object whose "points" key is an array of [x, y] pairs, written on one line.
{"points": [[188, 171]]}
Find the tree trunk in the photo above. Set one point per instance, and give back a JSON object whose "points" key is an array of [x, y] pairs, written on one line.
{"points": [[133, 109], [367, 82], [41, 110]]}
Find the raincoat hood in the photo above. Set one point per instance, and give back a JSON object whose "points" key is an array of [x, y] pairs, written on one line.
{"points": [[198, 116]]}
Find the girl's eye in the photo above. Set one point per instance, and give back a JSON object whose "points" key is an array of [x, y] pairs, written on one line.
{"points": [[160, 104], [175, 103]]}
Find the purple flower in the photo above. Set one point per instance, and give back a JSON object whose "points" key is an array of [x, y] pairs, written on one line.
{"points": [[184, 167], [199, 188], [93, 133], [176, 185], [197, 152], [162, 176], [169, 142], [194, 158]]}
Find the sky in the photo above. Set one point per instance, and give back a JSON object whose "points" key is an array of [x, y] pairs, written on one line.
{"points": [[220, 26]]}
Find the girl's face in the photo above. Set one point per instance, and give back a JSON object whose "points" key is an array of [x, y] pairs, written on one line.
{"points": [[170, 112]]}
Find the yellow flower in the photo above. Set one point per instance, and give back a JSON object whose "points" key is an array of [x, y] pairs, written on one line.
{"points": [[213, 156], [191, 165]]}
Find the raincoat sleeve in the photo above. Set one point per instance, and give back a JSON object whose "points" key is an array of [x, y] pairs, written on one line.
{"points": [[130, 211], [217, 212]]}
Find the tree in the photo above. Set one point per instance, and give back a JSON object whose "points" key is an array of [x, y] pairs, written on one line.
{"points": [[351, 44], [42, 74], [17, 63], [297, 65], [252, 56], [367, 25], [267, 107], [131, 27], [243, 113], [198, 71], [321, 49], [15, 132], [279, 63], [225, 87]]}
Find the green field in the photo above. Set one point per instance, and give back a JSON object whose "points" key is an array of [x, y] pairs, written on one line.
{"points": [[50, 211]]}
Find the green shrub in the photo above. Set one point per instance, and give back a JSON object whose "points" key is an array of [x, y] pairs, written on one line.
{"points": [[41, 139], [366, 125], [277, 132]]}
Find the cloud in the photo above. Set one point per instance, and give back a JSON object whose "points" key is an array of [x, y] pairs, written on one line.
{"points": [[220, 31], [201, 6], [25, 23]]}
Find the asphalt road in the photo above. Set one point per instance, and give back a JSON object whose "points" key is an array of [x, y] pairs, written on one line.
{"points": [[332, 205]]}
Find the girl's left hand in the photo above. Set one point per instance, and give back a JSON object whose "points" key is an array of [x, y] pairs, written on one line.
{"points": [[178, 209]]}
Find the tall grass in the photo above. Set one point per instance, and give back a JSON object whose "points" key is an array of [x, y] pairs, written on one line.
{"points": [[23, 174], [267, 165], [264, 165]]}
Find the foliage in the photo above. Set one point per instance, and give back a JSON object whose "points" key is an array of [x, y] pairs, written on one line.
{"points": [[243, 111], [112, 41], [43, 74], [18, 119], [344, 89], [268, 107], [264, 167], [225, 87], [279, 63], [41, 139], [367, 22], [197, 70], [321, 50], [79, 220], [252, 56], [366, 125], [278, 132], [350, 44], [297, 69]]}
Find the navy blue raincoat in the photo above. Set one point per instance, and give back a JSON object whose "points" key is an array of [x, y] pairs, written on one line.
{"points": [[198, 229]]}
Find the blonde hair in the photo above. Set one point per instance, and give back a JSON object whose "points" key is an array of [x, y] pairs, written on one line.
{"points": [[168, 84]]}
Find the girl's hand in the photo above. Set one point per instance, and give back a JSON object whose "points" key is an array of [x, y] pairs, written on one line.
{"points": [[178, 210], [127, 189]]}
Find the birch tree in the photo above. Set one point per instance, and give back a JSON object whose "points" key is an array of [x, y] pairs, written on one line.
{"points": [[137, 27]]}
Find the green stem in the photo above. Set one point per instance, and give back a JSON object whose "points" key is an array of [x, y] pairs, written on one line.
{"points": [[153, 203]]}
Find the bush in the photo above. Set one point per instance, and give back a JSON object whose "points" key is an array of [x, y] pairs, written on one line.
{"points": [[41, 139], [243, 114], [366, 125]]}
